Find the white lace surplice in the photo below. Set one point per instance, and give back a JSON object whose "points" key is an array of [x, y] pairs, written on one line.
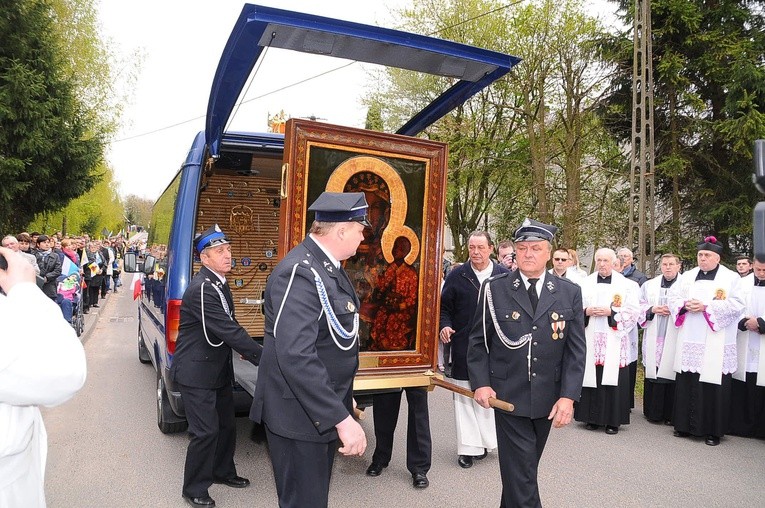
{"points": [[707, 340], [606, 346]]}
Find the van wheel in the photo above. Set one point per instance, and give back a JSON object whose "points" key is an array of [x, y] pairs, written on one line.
{"points": [[143, 353], [167, 421]]}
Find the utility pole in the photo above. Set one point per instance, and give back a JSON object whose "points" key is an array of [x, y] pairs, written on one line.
{"points": [[642, 229]]}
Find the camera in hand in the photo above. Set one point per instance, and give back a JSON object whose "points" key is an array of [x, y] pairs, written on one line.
{"points": [[3, 263]]}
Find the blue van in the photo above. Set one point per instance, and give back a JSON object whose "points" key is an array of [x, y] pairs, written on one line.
{"points": [[241, 181]]}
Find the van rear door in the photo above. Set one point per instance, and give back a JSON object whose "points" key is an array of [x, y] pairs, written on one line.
{"points": [[259, 27]]}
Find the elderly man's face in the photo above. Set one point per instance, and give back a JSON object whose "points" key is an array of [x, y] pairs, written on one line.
{"points": [[670, 268], [351, 234], [604, 264], [626, 259], [532, 257], [707, 260], [217, 258], [12, 244], [479, 251]]}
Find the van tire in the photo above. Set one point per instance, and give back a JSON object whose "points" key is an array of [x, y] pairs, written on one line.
{"points": [[143, 353], [167, 421]]}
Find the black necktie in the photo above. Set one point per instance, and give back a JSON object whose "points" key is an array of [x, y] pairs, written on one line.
{"points": [[533, 294]]}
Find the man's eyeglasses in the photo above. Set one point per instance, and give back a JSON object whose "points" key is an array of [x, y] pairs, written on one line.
{"points": [[560, 259]]}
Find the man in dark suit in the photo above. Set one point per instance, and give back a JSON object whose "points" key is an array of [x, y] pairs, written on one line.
{"points": [[527, 347], [310, 355], [475, 426], [202, 368]]}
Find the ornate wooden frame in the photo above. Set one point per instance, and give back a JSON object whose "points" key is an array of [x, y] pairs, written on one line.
{"points": [[321, 157]]}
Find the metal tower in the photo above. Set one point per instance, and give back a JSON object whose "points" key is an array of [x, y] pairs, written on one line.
{"points": [[642, 230]]}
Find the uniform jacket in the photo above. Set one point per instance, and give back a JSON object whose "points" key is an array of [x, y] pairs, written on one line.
{"points": [[197, 361], [459, 298], [305, 379], [534, 376]]}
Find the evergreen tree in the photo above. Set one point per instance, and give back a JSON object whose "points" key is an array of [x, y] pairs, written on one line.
{"points": [[709, 99], [49, 145]]}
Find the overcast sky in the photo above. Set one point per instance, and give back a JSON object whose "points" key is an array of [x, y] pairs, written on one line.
{"points": [[181, 41]]}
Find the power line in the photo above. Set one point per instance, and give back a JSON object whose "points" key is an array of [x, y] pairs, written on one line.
{"points": [[308, 79]]}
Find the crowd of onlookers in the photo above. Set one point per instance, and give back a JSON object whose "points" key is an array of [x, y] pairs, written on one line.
{"points": [[72, 270]]}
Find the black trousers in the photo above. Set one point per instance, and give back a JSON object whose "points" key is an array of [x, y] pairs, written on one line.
{"points": [[702, 408], [633, 380], [418, 444], [520, 443], [212, 428], [93, 293], [302, 470]]}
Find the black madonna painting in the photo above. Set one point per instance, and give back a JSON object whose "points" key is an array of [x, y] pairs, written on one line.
{"points": [[396, 269]]}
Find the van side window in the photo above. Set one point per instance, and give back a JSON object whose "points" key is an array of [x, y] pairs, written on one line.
{"points": [[159, 238]]}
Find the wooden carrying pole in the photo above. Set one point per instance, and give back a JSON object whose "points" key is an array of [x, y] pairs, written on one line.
{"points": [[495, 403]]}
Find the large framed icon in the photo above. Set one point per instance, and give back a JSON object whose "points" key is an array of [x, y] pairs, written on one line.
{"points": [[397, 268]]}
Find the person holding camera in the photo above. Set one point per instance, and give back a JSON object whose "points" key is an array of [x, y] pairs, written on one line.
{"points": [[45, 368]]}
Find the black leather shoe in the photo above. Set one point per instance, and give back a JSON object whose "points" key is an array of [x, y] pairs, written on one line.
{"points": [[680, 433], [375, 469], [205, 501], [591, 426], [465, 461], [235, 481], [420, 480], [611, 430], [712, 440]]}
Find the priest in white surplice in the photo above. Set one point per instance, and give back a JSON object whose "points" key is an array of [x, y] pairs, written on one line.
{"points": [[42, 363], [748, 390], [706, 306], [659, 341], [611, 305]]}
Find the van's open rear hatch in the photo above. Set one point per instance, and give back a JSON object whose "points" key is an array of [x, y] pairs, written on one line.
{"points": [[258, 27]]}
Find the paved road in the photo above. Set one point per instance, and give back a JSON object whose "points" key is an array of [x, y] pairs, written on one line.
{"points": [[106, 451]]}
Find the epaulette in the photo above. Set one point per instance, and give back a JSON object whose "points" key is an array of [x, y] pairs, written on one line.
{"points": [[499, 276]]}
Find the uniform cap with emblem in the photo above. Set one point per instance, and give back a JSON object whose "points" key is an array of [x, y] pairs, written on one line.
{"points": [[210, 238], [534, 231], [341, 207], [710, 243]]}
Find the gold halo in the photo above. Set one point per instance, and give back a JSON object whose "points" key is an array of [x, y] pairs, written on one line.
{"points": [[398, 201]]}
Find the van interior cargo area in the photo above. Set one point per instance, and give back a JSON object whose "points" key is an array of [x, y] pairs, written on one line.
{"points": [[247, 209]]}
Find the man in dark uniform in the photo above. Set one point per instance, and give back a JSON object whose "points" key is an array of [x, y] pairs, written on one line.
{"points": [[204, 373], [310, 356], [527, 347]]}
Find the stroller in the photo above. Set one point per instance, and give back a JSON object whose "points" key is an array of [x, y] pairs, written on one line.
{"points": [[70, 289]]}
